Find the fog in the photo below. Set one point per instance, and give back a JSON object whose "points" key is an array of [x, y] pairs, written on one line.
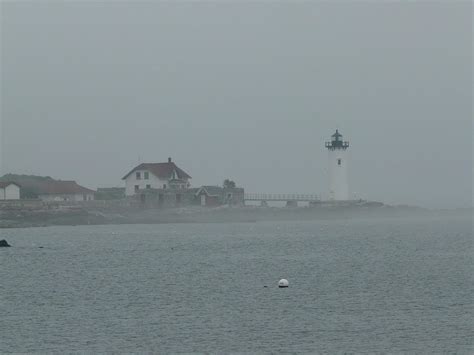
{"points": [[240, 90]]}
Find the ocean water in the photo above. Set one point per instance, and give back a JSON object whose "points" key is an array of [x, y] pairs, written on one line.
{"points": [[386, 285]]}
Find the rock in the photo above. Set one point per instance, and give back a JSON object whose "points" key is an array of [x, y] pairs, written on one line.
{"points": [[4, 243]]}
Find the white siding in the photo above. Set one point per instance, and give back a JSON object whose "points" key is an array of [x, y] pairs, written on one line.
{"points": [[11, 192], [153, 181], [338, 187]]}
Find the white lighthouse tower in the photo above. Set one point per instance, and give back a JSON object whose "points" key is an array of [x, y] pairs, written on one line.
{"points": [[337, 148]]}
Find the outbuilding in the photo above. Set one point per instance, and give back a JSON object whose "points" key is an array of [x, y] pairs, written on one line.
{"points": [[9, 191], [60, 190], [216, 196]]}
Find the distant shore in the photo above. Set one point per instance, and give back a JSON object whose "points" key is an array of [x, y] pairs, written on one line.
{"points": [[95, 216]]}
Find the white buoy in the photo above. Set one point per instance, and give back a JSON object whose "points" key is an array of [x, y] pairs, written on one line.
{"points": [[283, 283]]}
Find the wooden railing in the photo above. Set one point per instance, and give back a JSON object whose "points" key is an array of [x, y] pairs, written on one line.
{"points": [[281, 197]]}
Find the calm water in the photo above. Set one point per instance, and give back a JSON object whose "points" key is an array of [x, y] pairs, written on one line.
{"points": [[362, 286]]}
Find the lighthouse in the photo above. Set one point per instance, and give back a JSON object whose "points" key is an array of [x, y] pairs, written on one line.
{"points": [[337, 149]]}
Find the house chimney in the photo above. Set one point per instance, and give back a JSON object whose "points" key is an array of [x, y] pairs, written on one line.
{"points": [[169, 160]]}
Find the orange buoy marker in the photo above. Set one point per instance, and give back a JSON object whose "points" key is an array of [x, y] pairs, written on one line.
{"points": [[283, 283]]}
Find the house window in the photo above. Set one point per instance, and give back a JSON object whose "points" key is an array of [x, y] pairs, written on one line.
{"points": [[138, 175], [148, 186], [164, 186], [137, 188], [146, 175], [338, 161], [84, 197]]}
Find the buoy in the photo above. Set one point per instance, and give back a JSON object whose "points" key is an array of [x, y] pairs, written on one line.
{"points": [[283, 283]]}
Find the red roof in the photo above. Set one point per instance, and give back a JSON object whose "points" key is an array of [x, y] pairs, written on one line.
{"points": [[4, 184], [161, 170], [61, 187]]}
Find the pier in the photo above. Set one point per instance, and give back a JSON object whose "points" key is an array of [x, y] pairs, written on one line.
{"points": [[290, 199]]}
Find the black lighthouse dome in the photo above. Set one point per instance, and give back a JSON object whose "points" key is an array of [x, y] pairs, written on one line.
{"points": [[337, 142]]}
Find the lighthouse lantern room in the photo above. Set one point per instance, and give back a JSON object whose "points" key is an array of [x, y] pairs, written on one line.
{"points": [[337, 148]]}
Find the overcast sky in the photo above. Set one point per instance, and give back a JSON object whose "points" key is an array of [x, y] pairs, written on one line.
{"points": [[243, 90]]}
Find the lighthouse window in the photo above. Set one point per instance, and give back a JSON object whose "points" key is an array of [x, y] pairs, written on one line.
{"points": [[338, 161]]}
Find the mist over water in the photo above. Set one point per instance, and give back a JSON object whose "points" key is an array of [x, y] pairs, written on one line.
{"points": [[362, 285]]}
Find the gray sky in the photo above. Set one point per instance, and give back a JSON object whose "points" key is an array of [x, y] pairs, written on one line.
{"points": [[244, 90]]}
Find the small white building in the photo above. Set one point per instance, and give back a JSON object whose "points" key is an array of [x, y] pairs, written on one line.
{"points": [[59, 190], [156, 176], [9, 191]]}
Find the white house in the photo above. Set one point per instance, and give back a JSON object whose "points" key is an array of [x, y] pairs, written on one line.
{"points": [[59, 190], [9, 191], [156, 176]]}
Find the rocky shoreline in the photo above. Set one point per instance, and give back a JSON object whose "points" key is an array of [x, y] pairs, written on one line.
{"points": [[94, 216]]}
